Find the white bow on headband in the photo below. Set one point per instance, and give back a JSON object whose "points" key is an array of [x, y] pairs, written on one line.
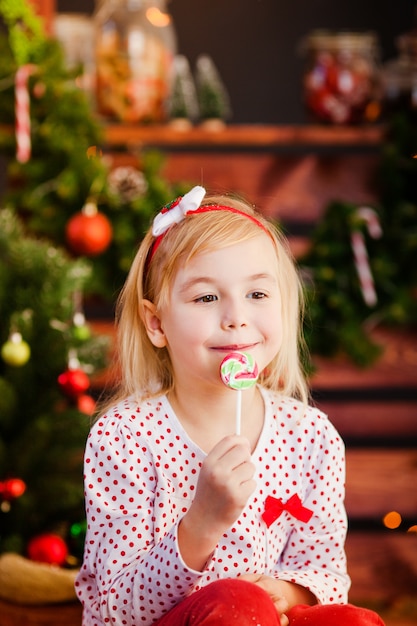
{"points": [[175, 213]]}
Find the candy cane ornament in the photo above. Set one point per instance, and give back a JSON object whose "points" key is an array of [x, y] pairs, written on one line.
{"points": [[238, 371], [360, 254], [22, 112]]}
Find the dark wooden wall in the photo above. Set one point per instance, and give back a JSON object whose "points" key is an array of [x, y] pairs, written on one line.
{"points": [[255, 43]]}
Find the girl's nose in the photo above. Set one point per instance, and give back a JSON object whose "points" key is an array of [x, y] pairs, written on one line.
{"points": [[233, 317]]}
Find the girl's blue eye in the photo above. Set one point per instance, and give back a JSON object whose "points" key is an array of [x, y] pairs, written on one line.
{"points": [[207, 298]]}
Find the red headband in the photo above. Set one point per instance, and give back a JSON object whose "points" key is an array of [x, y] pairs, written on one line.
{"points": [[204, 209], [175, 212]]}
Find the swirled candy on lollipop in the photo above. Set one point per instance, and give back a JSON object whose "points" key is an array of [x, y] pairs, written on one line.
{"points": [[239, 370]]}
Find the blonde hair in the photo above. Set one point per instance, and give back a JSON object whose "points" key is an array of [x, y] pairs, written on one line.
{"points": [[145, 370]]}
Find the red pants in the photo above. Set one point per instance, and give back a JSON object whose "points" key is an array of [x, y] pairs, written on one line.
{"points": [[233, 602]]}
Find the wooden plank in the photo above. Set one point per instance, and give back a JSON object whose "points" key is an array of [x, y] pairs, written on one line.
{"points": [[68, 614], [375, 420], [383, 569], [381, 480], [255, 136], [396, 368], [395, 619], [285, 187], [243, 135], [291, 189]]}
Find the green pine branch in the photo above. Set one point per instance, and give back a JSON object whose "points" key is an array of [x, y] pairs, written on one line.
{"points": [[42, 433]]}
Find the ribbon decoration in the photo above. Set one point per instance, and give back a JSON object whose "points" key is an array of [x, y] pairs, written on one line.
{"points": [[361, 255], [22, 112], [275, 506], [174, 212]]}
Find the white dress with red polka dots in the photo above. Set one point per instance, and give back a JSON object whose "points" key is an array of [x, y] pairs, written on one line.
{"points": [[141, 472]]}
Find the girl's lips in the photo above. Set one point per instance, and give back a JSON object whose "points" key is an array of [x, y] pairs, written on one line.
{"points": [[234, 348]]}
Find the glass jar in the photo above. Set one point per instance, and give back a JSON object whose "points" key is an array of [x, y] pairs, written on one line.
{"points": [[75, 32], [341, 79], [135, 45], [399, 77]]}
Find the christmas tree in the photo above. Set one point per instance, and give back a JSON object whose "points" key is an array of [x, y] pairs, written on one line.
{"points": [[66, 173], [183, 105], [398, 183], [337, 312], [351, 291], [213, 99], [58, 186], [48, 354]]}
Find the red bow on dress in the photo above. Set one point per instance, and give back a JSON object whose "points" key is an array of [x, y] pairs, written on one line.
{"points": [[275, 506]]}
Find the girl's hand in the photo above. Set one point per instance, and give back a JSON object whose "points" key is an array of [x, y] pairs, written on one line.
{"points": [[225, 483], [273, 589], [224, 486]]}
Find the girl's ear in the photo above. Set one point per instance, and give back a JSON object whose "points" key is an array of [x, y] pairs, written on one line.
{"points": [[152, 324]]}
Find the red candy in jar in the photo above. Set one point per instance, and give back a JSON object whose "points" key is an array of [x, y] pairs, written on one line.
{"points": [[341, 81]]}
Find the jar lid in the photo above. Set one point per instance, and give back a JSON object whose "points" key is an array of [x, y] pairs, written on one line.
{"points": [[337, 40], [407, 44]]}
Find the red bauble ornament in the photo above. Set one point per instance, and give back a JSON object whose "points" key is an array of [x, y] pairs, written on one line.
{"points": [[86, 404], [73, 382], [89, 232], [12, 488], [48, 548]]}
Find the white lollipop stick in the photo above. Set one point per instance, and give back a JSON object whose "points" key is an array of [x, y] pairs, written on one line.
{"points": [[238, 371], [238, 411]]}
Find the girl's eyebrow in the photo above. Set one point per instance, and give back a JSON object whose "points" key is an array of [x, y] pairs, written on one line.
{"points": [[196, 281], [262, 275], [209, 280]]}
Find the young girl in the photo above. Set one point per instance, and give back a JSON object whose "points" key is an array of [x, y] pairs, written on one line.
{"points": [[188, 522]]}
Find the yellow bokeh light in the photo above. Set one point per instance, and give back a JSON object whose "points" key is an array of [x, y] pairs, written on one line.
{"points": [[412, 529], [157, 17], [392, 520]]}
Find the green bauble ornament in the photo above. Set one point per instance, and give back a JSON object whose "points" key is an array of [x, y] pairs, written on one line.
{"points": [[15, 352]]}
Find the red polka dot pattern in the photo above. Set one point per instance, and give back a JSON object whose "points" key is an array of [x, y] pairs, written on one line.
{"points": [[141, 471]]}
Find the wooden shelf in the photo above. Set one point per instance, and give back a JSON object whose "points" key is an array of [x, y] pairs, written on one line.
{"points": [[243, 136], [256, 136], [289, 172]]}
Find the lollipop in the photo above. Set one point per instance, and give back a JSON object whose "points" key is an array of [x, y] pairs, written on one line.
{"points": [[238, 370]]}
